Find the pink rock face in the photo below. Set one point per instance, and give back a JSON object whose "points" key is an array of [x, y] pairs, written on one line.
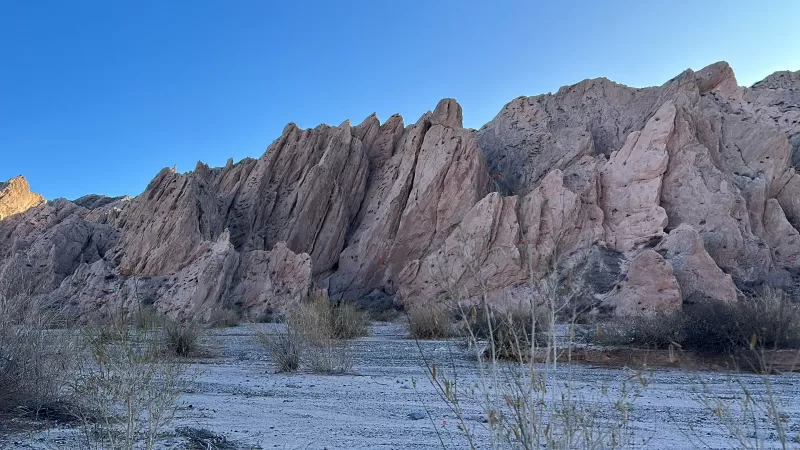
{"points": [[694, 269], [435, 175], [652, 196], [631, 183], [480, 257], [649, 287]]}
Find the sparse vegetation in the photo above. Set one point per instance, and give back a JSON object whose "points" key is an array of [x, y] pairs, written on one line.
{"points": [[125, 393], [526, 396], [316, 335], [223, 318], [314, 323], [35, 362], [511, 330], [432, 321], [386, 315], [349, 322], [283, 348], [181, 338], [742, 329], [146, 318]]}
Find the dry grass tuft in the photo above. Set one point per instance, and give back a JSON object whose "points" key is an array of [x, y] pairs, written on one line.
{"points": [[224, 318], [283, 349], [431, 321], [317, 336], [181, 338]]}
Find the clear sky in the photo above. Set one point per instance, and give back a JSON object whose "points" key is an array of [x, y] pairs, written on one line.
{"points": [[97, 96]]}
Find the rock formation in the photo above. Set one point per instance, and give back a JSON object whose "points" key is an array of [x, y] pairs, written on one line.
{"points": [[16, 197], [650, 197]]}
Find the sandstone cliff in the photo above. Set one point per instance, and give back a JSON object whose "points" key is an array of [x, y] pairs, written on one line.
{"points": [[647, 197]]}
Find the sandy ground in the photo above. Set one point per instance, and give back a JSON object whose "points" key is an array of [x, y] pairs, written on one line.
{"points": [[236, 394]]}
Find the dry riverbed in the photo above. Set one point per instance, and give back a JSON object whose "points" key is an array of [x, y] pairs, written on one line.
{"points": [[236, 395]]}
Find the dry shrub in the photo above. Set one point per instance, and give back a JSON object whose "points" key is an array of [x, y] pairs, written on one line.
{"points": [[267, 316], [766, 321], [283, 349], [35, 361], [181, 338], [319, 329], [510, 333], [146, 318], [223, 318], [386, 315], [430, 321], [316, 335], [125, 393], [656, 331], [349, 322], [203, 439]]}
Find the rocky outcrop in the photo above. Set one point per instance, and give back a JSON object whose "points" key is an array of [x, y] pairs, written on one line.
{"points": [[16, 197], [46, 244], [696, 272], [253, 284], [417, 198], [646, 198], [267, 281], [480, 257], [631, 183], [649, 287]]}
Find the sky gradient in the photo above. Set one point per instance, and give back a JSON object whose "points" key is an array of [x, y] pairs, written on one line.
{"points": [[98, 96]]}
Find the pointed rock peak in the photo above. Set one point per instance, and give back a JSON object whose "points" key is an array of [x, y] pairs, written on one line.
{"points": [[716, 76], [345, 124], [291, 126], [394, 120], [16, 197], [19, 183], [372, 119], [201, 166], [448, 112]]}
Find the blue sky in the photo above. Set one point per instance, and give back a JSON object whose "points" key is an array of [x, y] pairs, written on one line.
{"points": [[97, 96]]}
